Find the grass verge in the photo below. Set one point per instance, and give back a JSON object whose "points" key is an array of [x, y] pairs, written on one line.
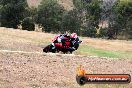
{"points": [[88, 50]]}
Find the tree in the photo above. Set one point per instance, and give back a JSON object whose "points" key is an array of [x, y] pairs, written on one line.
{"points": [[93, 17], [12, 12], [71, 22], [28, 24], [93, 12], [0, 13], [33, 13], [89, 14], [123, 10], [50, 15]]}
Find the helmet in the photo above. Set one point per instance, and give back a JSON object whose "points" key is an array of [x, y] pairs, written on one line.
{"points": [[73, 35]]}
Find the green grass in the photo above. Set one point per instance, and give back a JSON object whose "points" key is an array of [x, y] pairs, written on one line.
{"points": [[88, 50]]}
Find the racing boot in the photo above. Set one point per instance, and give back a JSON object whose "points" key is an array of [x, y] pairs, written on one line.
{"points": [[73, 48]]}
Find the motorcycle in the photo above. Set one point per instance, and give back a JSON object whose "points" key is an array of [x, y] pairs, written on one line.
{"points": [[66, 48]]}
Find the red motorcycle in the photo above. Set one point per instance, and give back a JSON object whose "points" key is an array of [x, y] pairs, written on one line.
{"points": [[65, 48]]}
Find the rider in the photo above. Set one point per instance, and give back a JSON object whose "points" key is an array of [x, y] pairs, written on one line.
{"points": [[73, 39], [62, 38]]}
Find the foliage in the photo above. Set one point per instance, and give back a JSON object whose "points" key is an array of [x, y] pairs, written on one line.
{"points": [[103, 33], [50, 15], [71, 22], [89, 14], [33, 13], [89, 32], [83, 19], [123, 10], [28, 24], [93, 12], [12, 12]]}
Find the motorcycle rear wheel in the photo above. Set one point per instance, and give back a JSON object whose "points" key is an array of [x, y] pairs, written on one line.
{"points": [[46, 49]]}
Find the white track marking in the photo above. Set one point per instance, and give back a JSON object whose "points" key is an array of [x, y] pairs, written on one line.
{"points": [[10, 51], [51, 54]]}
